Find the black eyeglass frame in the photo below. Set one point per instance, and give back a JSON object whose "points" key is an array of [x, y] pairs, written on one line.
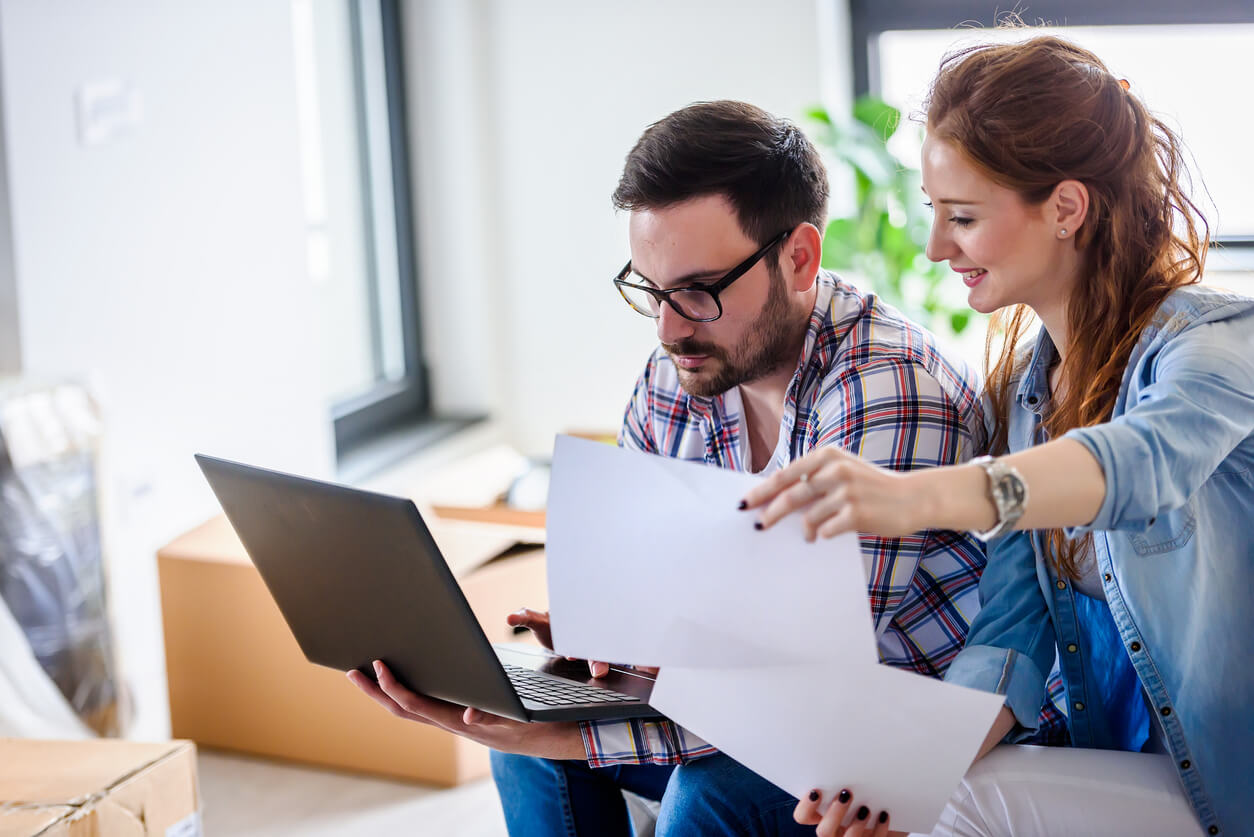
{"points": [[713, 289]]}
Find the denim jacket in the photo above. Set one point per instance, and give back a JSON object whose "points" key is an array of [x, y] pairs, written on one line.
{"points": [[1174, 545]]}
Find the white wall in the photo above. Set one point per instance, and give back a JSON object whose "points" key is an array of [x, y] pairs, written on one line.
{"points": [[165, 267], [523, 114]]}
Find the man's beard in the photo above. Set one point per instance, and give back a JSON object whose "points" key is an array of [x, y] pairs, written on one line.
{"points": [[772, 342]]}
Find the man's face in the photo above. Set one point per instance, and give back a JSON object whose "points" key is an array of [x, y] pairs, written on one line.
{"points": [[697, 242]]}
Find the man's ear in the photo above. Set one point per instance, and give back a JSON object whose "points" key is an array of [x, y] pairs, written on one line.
{"points": [[801, 255], [1068, 207]]}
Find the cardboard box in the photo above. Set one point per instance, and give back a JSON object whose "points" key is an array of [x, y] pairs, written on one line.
{"points": [[98, 788], [238, 680]]}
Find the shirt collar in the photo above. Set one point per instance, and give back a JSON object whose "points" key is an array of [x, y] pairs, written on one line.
{"points": [[1033, 392]]}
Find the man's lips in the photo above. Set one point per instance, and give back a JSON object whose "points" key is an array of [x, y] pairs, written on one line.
{"points": [[689, 361]]}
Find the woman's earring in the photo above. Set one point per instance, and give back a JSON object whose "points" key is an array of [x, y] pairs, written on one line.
{"points": [[1062, 233]]}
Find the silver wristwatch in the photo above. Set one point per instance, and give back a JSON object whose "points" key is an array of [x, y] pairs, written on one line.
{"points": [[1008, 492]]}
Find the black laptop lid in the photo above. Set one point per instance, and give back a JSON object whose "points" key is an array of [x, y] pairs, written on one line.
{"points": [[358, 577]]}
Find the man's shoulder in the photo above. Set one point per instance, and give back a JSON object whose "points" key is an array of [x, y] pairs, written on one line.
{"points": [[861, 329]]}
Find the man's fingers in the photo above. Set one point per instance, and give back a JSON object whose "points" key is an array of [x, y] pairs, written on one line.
{"points": [[445, 714], [598, 668], [380, 697], [536, 621]]}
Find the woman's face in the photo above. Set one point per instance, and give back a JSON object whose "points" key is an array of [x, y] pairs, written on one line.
{"points": [[1004, 250]]}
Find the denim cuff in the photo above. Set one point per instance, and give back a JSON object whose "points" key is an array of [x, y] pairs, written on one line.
{"points": [[1003, 671]]}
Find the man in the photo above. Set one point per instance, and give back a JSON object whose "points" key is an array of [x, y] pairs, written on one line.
{"points": [[762, 357]]}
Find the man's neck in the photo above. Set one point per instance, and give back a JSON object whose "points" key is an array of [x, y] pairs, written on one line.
{"points": [[763, 403]]}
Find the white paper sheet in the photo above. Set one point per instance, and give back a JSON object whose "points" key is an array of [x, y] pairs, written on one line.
{"points": [[650, 562], [899, 741], [765, 642]]}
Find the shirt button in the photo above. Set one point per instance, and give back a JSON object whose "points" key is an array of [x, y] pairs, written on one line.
{"points": [[1135, 646], [1153, 520], [1062, 585], [1032, 399], [1214, 829], [1186, 764], [1106, 577], [1072, 647], [1166, 710], [1079, 707]]}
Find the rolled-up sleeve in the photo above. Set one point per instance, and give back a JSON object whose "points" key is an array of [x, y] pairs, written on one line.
{"points": [[641, 741], [1011, 647], [1197, 407]]}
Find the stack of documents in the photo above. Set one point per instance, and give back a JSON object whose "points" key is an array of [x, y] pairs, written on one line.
{"points": [[765, 642]]}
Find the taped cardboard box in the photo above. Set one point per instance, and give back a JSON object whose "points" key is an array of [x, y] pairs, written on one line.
{"points": [[238, 680], [98, 788]]}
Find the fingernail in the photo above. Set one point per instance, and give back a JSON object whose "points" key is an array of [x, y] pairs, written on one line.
{"points": [[844, 796], [814, 796], [378, 668], [743, 505], [863, 812], [883, 816], [757, 524]]}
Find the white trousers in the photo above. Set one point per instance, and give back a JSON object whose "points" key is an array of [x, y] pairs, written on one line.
{"points": [[1047, 791]]}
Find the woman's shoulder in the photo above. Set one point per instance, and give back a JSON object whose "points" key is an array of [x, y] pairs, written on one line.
{"points": [[1194, 305]]}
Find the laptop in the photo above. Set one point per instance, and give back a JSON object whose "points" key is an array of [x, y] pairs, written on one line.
{"points": [[358, 577]]}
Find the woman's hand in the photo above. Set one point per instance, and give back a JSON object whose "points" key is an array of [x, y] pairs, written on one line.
{"points": [[838, 492], [828, 814]]}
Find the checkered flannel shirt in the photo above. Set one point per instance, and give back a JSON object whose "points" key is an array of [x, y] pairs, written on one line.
{"points": [[874, 383]]}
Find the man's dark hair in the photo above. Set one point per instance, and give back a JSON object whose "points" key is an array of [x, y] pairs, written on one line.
{"points": [[765, 166]]}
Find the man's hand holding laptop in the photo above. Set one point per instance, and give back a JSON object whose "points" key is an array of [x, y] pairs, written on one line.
{"points": [[554, 740]]}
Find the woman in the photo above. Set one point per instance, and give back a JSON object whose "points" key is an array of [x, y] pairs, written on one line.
{"points": [[1117, 506]]}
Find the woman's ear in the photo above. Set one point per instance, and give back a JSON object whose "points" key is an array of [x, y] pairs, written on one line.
{"points": [[1068, 207]]}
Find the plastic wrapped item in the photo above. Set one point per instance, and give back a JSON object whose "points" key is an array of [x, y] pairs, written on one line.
{"points": [[52, 574]]}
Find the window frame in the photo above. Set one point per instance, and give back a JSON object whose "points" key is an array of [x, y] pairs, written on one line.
{"points": [[869, 18], [387, 405]]}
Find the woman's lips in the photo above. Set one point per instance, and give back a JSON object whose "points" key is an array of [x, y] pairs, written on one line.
{"points": [[973, 278]]}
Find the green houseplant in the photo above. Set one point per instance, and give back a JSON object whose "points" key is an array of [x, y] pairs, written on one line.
{"points": [[883, 241]]}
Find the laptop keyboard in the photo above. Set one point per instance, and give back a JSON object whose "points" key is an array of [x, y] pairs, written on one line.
{"points": [[554, 691]]}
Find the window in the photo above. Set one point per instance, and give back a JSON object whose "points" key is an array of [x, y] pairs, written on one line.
{"points": [[357, 206], [1184, 60]]}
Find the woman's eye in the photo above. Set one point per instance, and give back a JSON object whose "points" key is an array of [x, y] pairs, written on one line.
{"points": [[962, 222], [928, 204]]}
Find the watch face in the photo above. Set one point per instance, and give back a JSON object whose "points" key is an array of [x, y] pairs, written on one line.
{"points": [[1011, 490]]}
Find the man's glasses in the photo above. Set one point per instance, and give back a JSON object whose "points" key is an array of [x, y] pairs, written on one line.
{"points": [[699, 303]]}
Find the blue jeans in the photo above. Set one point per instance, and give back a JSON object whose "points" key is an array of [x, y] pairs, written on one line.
{"points": [[713, 795]]}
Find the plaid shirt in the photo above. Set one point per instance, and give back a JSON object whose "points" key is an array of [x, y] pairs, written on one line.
{"points": [[875, 384]]}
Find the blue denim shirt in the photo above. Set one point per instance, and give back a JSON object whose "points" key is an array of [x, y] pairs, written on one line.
{"points": [[1175, 552]]}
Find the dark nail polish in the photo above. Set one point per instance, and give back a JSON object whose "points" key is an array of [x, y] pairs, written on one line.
{"points": [[883, 816], [863, 812], [844, 796], [814, 796], [743, 505], [757, 524]]}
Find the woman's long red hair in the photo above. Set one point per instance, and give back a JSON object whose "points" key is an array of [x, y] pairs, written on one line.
{"points": [[1030, 115]]}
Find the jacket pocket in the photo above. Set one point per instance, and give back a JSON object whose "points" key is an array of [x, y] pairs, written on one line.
{"points": [[1167, 532]]}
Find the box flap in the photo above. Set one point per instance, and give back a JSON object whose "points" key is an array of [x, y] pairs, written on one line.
{"points": [[26, 822], [71, 772], [465, 546]]}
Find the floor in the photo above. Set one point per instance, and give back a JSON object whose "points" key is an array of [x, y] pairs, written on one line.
{"points": [[250, 797]]}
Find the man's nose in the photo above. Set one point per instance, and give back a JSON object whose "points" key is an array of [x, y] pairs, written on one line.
{"points": [[671, 328]]}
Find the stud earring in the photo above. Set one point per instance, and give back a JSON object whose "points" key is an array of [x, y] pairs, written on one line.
{"points": [[1062, 233]]}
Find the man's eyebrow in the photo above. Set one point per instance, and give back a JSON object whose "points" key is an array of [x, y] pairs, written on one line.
{"points": [[686, 279]]}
